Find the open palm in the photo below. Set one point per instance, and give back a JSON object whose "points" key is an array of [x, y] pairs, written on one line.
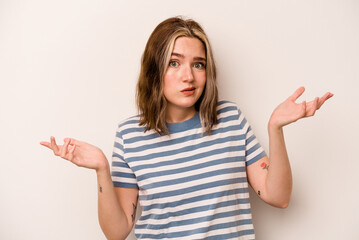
{"points": [[80, 153], [289, 111]]}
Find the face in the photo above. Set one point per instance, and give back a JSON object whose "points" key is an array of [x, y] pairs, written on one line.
{"points": [[185, 77]]}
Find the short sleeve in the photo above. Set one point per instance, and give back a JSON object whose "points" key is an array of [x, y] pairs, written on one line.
{"points": [[121, 173], [253, 149]]}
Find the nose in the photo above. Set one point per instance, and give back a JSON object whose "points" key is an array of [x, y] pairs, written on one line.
{"points": [[187, 74]]}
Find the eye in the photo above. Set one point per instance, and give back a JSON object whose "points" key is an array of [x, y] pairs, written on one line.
{"points": [[199, 65], [173, 64]]}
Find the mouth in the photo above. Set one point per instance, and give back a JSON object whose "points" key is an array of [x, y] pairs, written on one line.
{"points": [[188, 91]]}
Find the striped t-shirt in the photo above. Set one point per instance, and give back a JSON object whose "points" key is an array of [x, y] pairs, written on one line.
{"points": [[191, 186]]}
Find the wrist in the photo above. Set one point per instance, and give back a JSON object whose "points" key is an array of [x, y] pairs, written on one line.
{"points": [[274, 125], [104, 168]]}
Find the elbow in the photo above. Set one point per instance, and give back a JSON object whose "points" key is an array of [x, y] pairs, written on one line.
{"points": [[115, 234], [117, 238], [283, 205], [279, 204], [280, 200]]}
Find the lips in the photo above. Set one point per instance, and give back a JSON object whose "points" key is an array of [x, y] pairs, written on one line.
{"points": [[188, 91]]}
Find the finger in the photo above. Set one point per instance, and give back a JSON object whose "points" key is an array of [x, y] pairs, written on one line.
{"points": [[302, 112], [63, 150], [71, 152], [304, 108], [297, 94], [313, 108], [324, 98], [74, 142], [54, 146], [46, 144]]}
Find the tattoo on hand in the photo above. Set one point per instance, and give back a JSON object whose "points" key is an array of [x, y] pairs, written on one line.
{"points": [[100, 189], [133, 215], [259, 192], [264, 166]]}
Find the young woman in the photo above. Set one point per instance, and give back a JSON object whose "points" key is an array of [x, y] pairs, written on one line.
{"points": [[187, 158]]}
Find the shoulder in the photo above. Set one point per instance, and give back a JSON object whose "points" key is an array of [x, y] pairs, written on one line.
{"points": [[225, 104], [129, 121], [129, 125], [228, 106], [227, 110]]}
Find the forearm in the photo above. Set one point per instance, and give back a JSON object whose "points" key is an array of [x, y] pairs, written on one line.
{"points": [[112, 218], [279, 177], [275, 186]]}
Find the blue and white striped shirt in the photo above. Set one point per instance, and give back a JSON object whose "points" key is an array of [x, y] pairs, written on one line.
{"points": [[191, 186]]}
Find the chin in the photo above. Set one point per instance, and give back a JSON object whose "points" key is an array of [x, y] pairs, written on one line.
{"points": [[184, 104], [189, 103]]}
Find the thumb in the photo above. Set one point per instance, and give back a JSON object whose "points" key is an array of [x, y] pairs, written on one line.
{"points": [[304, 108]]}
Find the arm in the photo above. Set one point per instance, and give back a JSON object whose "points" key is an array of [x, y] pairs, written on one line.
{"points": [[271, 177], [115, 205]]}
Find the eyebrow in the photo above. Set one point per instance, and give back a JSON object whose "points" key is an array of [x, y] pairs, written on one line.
{"points": [[182, 56]]}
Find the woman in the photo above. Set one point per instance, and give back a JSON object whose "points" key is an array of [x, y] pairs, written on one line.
{"points": [[187, 158]]}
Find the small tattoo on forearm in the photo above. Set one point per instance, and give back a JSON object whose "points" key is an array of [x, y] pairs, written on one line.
{"points": [[264, 166], [133, 215], [100, 189], [259, 192]]}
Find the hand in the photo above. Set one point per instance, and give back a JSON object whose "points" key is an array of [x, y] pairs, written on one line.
{"points": [[80, 153], [289, 111]]}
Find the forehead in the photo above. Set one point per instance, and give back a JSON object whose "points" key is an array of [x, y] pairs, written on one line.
{"points": [[189, 46]]}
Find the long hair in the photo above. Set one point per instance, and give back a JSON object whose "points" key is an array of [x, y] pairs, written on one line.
{"points": [[150, 98]]}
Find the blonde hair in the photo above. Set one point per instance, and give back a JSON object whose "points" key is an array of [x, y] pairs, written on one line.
{"points": [[150, 99]]}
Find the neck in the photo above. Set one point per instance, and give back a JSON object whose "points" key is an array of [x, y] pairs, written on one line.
{"points": [[175, 115]]}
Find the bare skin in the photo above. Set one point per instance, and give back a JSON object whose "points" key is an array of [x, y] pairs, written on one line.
{"points": [[116, 206], [184, 81], [274, 184]]}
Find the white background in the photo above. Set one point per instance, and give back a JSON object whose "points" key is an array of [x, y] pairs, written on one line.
{"points": [[69, 68]]}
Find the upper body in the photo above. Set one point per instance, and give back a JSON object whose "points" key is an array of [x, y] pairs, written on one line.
{"points": [[177, 85], [191, 185]]}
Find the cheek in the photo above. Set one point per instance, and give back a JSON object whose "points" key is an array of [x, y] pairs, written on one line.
{"points": [[202, 79], [202, 83], [168, 83]]}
